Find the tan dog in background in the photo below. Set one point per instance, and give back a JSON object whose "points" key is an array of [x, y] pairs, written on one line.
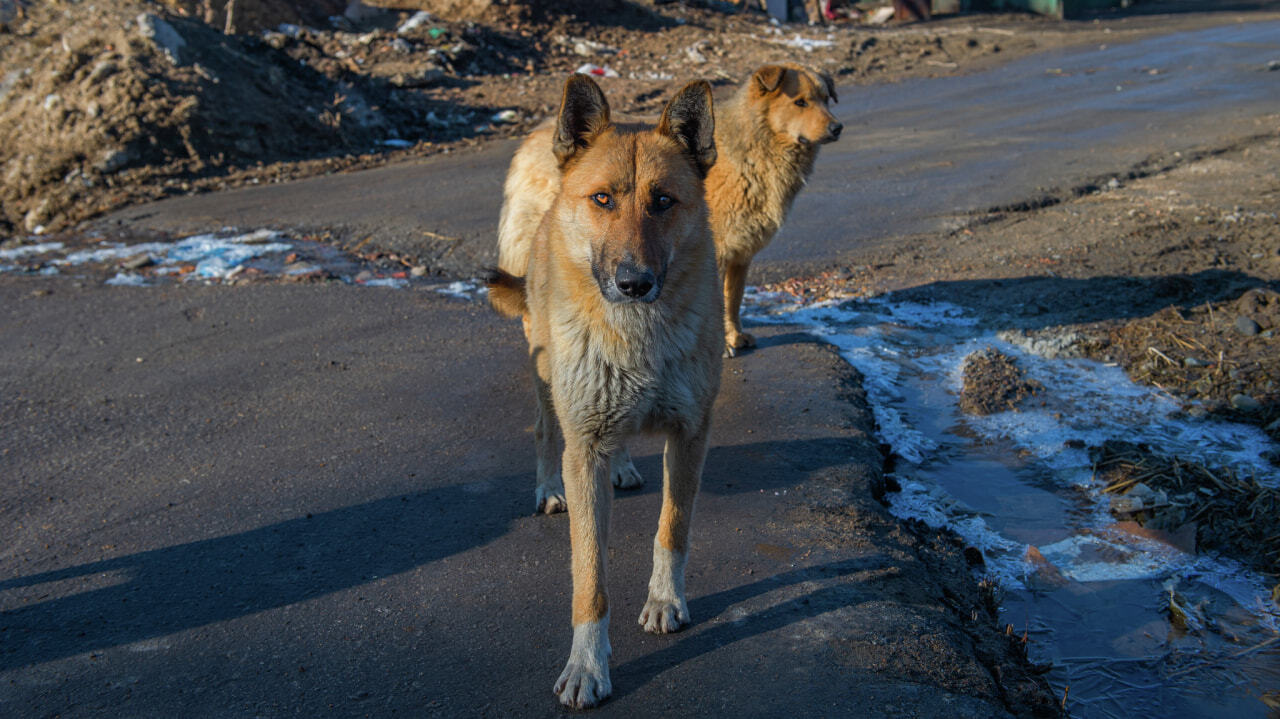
{"points": [[606, 254], [767, 138]]}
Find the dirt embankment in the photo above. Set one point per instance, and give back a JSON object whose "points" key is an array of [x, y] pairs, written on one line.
{"points": [[121, 101]]}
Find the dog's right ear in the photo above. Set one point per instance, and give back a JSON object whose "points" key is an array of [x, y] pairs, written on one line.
{"points": [[768, 78], [584, 113]]}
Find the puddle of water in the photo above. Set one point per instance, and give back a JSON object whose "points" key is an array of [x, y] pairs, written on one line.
{"points": [[1091, 595]]}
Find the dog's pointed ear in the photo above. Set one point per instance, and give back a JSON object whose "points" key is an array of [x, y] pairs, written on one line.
{"points": [[768, 78], [584, 113], [831, 86], [690, 120]]}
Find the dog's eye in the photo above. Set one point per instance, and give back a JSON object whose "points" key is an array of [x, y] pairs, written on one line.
{"points": [[802, 103], [602, 199], [663, 202]]}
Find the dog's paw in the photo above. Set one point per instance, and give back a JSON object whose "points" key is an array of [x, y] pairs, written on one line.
{"points": [[664, 616], [735, 341], [581, 686], [626, 476], [550, 498]]}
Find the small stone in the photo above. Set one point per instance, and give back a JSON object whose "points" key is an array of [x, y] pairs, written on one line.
{"points": [[1273, 65], [418, 271], [112, 160], [1247, 326], [137, 262], [163, 35], [102, 71], [1245, 403]]}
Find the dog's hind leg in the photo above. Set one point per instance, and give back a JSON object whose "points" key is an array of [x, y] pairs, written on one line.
{"points": [[549, 493], [735, 282], [623, 471], [666, 610], [585, 679]]}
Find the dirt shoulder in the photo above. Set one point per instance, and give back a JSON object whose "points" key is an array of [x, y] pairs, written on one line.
{"points": [[1170, 269], [126, 101]]}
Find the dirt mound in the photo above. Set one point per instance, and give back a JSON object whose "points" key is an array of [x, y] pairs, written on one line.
{"points": [[1223, 511], [993, 383], [126, 99]]}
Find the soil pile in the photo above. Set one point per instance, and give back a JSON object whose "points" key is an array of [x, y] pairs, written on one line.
{"points": [[1224, 511], [993, 383]]}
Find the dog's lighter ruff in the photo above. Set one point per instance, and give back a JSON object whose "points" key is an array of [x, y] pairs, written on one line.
{"points": [[666, 609], [585, 679]]}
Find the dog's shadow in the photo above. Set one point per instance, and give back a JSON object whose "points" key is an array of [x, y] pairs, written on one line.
{"points": [[839, 592]]}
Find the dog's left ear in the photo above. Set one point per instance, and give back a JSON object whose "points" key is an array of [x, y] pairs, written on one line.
{"points": [[690, 121], [831, 86]]}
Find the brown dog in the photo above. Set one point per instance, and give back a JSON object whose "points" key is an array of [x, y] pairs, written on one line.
{"points": [[607, 256], [767, 138]]}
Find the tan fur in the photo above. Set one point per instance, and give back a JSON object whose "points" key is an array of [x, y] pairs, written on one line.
{"points": [[606, 368], [766, 147]]}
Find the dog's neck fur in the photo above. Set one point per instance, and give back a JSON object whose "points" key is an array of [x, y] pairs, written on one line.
{"points": [[743, 134]]}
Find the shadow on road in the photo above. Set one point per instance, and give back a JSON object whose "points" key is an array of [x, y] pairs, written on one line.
{"points": [[190, 585], [1038, 302]]}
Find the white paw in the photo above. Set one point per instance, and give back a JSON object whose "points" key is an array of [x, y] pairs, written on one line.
{"points": [[550, 497], [626, 476], [585, 680], [582, 687], [664, 616]]}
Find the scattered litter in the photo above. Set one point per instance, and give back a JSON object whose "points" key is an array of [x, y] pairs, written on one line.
{"points": [[596, 70], [806, 43], [418, 19], [505, 117], [880, 15]]}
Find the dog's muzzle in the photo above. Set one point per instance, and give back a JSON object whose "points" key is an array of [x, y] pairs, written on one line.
{"points": [[630, 283]]}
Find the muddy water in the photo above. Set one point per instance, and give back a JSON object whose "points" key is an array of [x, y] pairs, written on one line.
{"points": [[1090, 595]]}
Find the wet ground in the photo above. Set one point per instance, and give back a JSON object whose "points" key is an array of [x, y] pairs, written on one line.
{"points": [[1133, 618]]}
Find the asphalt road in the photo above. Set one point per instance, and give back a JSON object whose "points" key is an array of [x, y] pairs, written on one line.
{"points": [[316, 500], [916, 156]]}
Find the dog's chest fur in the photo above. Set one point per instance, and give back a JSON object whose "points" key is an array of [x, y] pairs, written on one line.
{"points": [[637, 370]]}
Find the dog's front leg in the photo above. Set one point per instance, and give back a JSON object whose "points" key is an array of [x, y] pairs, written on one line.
{"points": [[666, 610], [735, 283], [585, 679]]}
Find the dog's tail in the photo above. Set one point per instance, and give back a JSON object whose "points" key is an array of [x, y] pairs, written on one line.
{"points": [[506, 293]]}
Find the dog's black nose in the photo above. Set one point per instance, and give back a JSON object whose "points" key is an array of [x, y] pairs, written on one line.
{"points": [[633, 281], [835, 128]]}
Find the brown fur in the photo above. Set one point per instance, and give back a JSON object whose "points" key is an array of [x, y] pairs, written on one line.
{"points": [[586, 199], [766, 148]]}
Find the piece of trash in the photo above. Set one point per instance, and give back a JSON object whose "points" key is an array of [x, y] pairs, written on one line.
{"points": [[505, 117], [880, 16], [597, 70], [694, 52], [417, 20], [398, 143]]}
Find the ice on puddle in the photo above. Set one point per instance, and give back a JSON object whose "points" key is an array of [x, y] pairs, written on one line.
{"points": [[464, 289], [25, 250], [1086, 401], [127, 279]]}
